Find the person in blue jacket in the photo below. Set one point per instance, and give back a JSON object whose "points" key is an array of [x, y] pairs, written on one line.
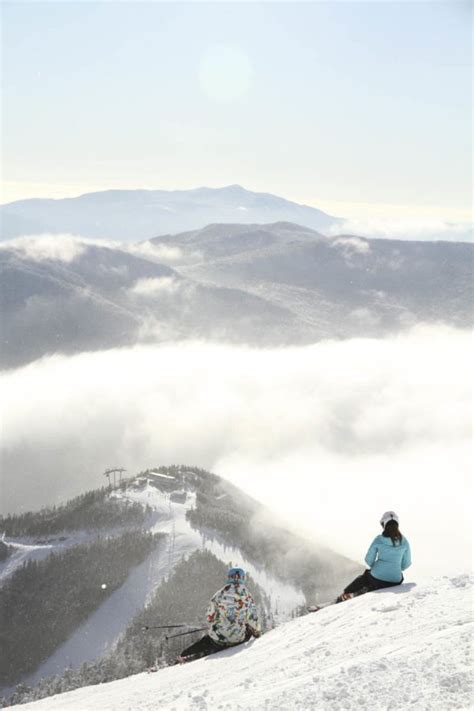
{"points": [[388, 556]]}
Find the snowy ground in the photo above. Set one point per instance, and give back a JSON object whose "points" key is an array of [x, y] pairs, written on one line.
{"points": [[396, 649]]}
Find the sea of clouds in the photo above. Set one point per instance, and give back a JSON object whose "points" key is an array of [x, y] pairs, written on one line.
{"points": [[328, 436]]}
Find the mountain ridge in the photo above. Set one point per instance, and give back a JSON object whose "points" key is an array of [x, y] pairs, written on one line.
{"points": [[265, 285], [131, 215]]}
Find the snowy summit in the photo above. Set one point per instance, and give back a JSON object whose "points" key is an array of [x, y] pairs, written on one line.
{"points": [[405, 647]]}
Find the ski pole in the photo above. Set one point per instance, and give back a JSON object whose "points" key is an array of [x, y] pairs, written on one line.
{"points": [[165, 627], [180, 634]]}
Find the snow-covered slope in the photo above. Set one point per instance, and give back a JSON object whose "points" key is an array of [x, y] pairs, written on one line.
{"points": [[408, 647]]}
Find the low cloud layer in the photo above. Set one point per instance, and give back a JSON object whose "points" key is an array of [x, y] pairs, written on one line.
{"points": [[155, 286], [408, 229], [352, 244], [67, 247], [57, 247], [328, 436], [162, 253]]}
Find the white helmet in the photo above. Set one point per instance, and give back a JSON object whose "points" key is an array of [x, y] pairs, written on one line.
{"points": [[388, 516]]}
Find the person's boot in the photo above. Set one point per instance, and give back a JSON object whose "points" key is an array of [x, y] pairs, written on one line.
{"points": [[344, 596], [183, 660]]}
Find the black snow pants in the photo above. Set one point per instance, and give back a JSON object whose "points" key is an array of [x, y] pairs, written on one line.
{"points": [[367, 583], [202, 648], [206, 645]]}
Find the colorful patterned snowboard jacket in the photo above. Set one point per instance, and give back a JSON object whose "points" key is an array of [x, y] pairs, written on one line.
{"points": [[231, 610]]}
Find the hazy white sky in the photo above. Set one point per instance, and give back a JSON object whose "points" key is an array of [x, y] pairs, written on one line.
{"points": [[359, 108]]}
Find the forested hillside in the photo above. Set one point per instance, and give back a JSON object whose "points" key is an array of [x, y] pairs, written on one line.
{"points": [[94, 509], [224, 511], [5, 551], [43, 602]]}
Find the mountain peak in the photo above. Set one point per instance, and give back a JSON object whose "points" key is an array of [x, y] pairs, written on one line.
{"points": [[235, 188]]}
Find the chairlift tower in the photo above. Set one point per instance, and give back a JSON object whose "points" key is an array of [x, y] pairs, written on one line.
{"points": [[114, 472]]}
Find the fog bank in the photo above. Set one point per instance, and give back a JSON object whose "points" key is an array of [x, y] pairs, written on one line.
{"points": [[329, 435]]}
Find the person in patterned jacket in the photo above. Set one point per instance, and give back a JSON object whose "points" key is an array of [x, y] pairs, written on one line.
{"points": [[232, 618]]}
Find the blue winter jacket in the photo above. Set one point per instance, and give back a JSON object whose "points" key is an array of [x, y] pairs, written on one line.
{"points": [[386, 560]]}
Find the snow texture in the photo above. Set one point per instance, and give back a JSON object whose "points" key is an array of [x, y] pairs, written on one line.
{"points": [[403, 648]]}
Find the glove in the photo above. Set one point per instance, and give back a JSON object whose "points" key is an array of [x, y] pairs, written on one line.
{"points": [[253, 633]]}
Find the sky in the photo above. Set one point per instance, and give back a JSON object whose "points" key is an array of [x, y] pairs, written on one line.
{"points": [[362, 109]]}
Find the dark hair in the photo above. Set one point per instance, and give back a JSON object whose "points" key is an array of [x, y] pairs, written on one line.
{"points": [[392, 531]]}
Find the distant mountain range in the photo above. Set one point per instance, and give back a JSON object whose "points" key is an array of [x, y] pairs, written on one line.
{"points": [[266, 285], [132, 215]]}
